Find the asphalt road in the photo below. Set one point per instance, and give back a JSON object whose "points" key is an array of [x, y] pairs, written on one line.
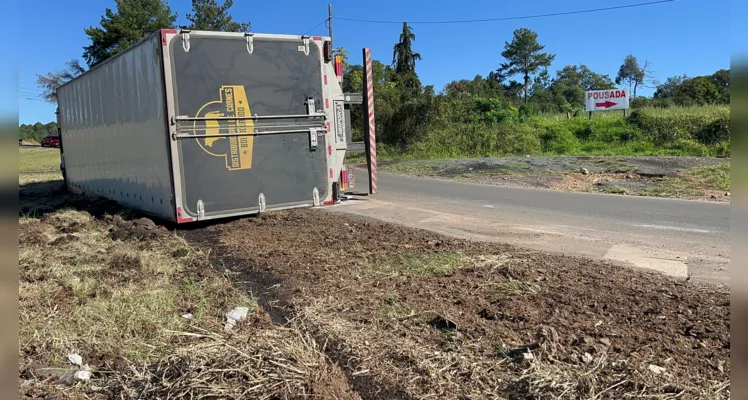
{"points": [[676, 237]]}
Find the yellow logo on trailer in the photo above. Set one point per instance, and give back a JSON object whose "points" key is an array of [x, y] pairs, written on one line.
{"points": [[235, 150]]}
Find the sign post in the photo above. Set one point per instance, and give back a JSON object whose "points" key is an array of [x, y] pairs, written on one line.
{"points": [[605, 100]]}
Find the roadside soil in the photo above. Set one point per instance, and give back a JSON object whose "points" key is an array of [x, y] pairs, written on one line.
{"points": [[412, 314], [693, 178]]}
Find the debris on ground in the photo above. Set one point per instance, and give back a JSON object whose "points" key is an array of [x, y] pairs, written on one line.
{"points": [[237, 314], [75, 359]]}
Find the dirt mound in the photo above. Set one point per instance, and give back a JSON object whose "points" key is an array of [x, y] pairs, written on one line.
{"points": [[139, 229], [33, 234], [504, 322]]}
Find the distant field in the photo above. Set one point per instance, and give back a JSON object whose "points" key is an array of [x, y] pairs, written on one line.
{"points": [[38, 165]]}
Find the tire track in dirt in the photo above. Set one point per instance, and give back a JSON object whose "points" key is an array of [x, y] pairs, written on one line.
{"points": [[275, 298]]}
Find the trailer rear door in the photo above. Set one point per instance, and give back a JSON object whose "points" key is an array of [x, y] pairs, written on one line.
{"points": [[271, 87]]}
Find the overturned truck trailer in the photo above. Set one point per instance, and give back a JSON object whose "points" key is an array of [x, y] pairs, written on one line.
{"points": [[193, 125]]}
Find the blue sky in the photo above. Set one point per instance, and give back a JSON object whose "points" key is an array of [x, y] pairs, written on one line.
{"points": [[680, 37]]}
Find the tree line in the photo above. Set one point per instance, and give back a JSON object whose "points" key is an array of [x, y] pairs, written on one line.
{"points": [[520, 88], [35, 132]]}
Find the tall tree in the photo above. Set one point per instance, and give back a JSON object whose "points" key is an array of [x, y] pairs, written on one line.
{"points": [[132, 21], [583, 76], [524, 56], [52, 80], [632, 73], [404, 60], [208, 15], [670, 87]]}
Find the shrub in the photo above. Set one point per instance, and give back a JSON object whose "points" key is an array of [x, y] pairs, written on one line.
{"points": [[686, 147], [641, 102], [527, 111], [716, 132], [671, 126], [558, 139], [723, 149], [517, 139]]}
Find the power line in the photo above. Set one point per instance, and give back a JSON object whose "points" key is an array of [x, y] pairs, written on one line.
{"points": [[317, 26], [510, 18]]}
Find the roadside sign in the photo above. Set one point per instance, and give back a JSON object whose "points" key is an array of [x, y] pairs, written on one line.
{"points": [[602, 100]]}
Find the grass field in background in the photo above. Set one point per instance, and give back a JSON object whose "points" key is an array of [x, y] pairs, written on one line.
{"points": [[38, 160], [676, 131]]}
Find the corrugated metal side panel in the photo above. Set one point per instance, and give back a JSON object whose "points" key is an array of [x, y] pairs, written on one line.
{"points": [[115, 132]]}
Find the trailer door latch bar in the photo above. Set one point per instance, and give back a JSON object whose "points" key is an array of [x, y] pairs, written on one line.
{"points": [[176, 136], [184, 118]]}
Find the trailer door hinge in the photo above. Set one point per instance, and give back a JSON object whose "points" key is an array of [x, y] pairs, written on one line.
{"points": [[200, 210], [305, 47], [311, 107], [250, 42], [315, 197], [312, 139], [262, 203], [186, 40]]}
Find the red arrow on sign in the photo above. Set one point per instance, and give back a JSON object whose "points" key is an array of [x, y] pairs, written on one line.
{"points": [[607, 104]]}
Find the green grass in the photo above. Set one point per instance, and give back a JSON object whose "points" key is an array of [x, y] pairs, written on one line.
{"points": [[672, 187], [440, 264], [613, 189], [38, 160], [714, 177], [695, 182]]}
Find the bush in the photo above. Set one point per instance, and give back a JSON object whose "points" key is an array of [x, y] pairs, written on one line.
{"points": [[558, 139], [686, 147], [670, 126], [527, 111], [641, 102], [517, 139], [723, 149], [716, 132]]}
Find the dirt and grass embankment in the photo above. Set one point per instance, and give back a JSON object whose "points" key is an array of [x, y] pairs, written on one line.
{"points": [[692, 178], [376, 310], [681, 152]]}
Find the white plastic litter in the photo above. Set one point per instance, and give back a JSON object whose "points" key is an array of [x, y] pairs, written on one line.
{"points": [[656, 369], [236, 315], [187, 316], [84, 374], [75, 359]]}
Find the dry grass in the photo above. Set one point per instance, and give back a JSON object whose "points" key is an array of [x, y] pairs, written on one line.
{"points": [[121, 306]]}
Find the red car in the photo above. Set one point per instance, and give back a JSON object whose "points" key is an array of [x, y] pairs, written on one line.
{"points": [[51, 141]]}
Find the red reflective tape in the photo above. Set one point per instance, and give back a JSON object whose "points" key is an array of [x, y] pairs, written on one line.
{"points": [[329, 203], [327, 103], [331, 175], [181, 219], [165, 32], [329, 150], [317, 38], [325, 79]]}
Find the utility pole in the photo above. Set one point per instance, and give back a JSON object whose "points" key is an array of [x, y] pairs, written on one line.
{"points": [[329, 22]]}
